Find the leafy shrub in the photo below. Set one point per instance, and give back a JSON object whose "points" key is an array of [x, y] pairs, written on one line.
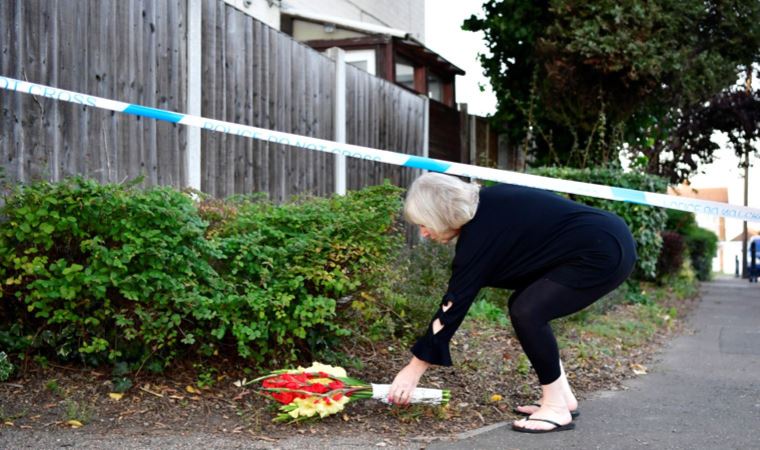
{"points": [[489, 312], [404, 295], [645, 222], [701, 244], [103, 272], [671, 255], [291, 264], [6, 368], [110, 273], [408, 292], [678, 220], [685, 283]]}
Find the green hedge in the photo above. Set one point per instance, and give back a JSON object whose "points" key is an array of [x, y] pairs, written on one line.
{"points": [[701, 244], [672, 255], [289, 264], [103, 272], [112, 273], [646, 222]]}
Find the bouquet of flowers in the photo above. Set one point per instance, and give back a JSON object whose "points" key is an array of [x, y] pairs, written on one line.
{"points": [[324, 390]]}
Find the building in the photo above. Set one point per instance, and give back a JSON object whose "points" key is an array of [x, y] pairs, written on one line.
{"points": [[729, 242], [386, 38]]}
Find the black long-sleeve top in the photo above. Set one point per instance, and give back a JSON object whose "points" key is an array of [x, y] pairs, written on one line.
{"points": [[517, 235]]}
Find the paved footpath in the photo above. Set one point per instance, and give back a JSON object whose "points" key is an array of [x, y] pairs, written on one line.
{"points": [[704, 393]]}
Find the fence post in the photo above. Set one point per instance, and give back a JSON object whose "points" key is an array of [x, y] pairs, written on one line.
{"points": [[194, 48], [502, 156], [426, 128], [339, 119], [472, 124]]}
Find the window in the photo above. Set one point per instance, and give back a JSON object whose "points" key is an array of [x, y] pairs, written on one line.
{"points": [[359, 65], [404, 72], [363, 59], [435, 87]]}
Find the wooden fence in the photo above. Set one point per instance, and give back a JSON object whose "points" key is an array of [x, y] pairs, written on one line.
{"points": [[446, 140], [127, 51], [136, 51]]}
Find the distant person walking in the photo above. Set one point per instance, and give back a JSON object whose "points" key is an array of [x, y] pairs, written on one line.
{"points": [[557, 255]]}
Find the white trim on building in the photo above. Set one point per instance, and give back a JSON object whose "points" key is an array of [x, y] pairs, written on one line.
{"points": [[355, 25], [267, 11]]}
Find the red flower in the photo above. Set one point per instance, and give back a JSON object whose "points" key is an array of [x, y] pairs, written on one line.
{"points": [[336, 385]]}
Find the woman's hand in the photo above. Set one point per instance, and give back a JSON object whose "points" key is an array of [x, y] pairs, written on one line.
{"points": [[406, 381]]}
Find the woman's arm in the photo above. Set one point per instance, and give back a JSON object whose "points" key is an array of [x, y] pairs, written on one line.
{"points": [[433, 347]]}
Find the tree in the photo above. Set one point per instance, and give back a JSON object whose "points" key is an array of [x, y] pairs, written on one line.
{"points": [[577, 80], [685, 139]]}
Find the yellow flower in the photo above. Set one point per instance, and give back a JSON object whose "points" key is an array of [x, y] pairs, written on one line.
{"points": [[321, 408], [324, 381], [335, 406], [305, 407], [330, 370]]}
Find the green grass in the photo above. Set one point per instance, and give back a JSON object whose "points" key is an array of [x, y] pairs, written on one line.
{"points": [[78, 411], [10, 417], [488, 313], [646, 320], [53, 387], [641, 314]]}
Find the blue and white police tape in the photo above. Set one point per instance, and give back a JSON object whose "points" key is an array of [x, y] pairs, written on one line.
{"points": [[570, 187]]}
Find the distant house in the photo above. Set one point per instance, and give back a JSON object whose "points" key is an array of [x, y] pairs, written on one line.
{"points": [[728, 249], [392, 54], [386, 39], [719, 194]]}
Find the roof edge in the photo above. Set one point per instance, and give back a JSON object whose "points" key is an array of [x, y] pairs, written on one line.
{"points": [[354, 25]]}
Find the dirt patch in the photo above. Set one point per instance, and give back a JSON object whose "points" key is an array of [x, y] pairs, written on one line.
{"points": [[488, 362]]}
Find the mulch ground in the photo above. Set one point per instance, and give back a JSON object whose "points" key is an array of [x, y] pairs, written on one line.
{"points": [[488, 364]]}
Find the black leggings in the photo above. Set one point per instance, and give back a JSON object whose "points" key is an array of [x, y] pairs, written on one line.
{"points": [[531, 309]]}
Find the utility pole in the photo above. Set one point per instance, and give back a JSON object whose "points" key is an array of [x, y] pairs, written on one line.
{"points": [[748, 89]]}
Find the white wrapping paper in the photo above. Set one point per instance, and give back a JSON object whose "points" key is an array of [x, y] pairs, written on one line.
{"points": [[420, 395]]}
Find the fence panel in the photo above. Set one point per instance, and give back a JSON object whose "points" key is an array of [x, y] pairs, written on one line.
{"points": [[127, 50], [445, 133], [258, 76], [136, 51], [381, 115]]}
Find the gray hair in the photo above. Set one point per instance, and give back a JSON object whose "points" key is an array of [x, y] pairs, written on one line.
{"points": [[441, 202]]}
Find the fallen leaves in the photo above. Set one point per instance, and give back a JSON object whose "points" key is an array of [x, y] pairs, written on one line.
{"points": [[147, 388], [638, 369], [486, 389], [241, 395]]}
